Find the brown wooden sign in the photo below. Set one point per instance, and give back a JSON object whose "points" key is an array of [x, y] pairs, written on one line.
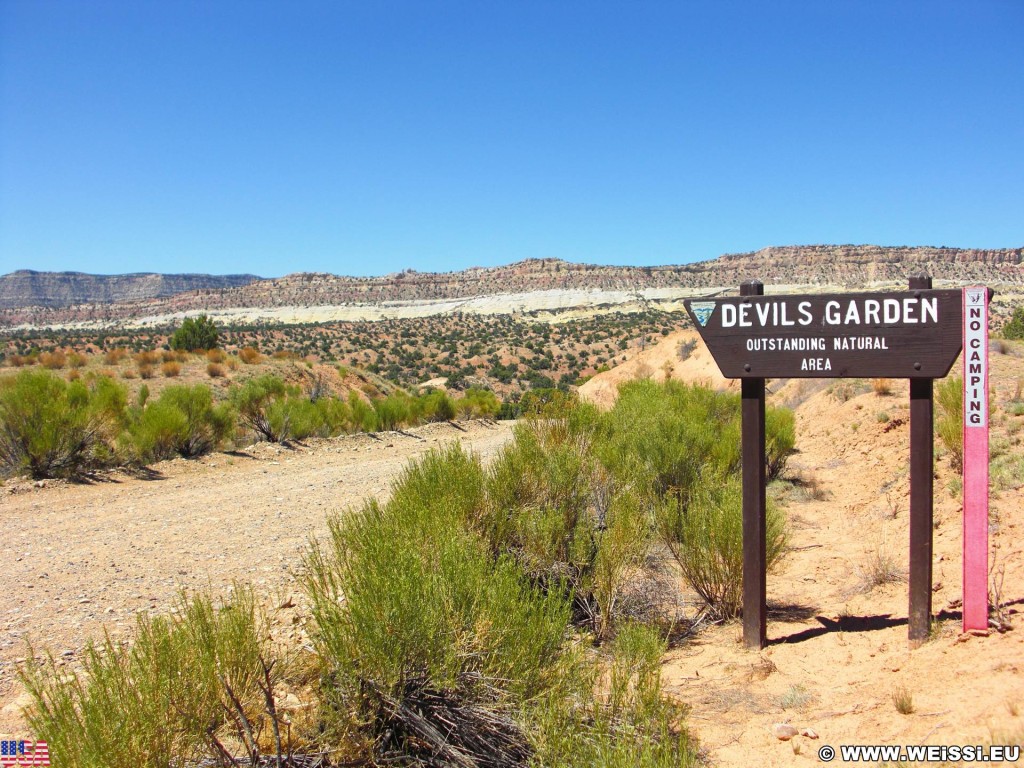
{"points": [[908, 334], [913, 334]]}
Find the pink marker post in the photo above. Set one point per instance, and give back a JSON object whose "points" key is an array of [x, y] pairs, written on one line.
{"points": [[975, 604]]}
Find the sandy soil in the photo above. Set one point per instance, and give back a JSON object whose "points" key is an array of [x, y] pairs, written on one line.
{"points": [[838, 648], [78, 558]]}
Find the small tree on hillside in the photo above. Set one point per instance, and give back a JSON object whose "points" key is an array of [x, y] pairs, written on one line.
{"points": [[1014, 328], [195, 333]]}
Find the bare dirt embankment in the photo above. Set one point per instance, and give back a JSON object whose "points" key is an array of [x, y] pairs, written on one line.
{"points": [[78, 559]]}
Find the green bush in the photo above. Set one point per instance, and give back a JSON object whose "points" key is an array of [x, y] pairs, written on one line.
{"points": [[195, 333], [780, 440], [191, 687], [564, 517], [394, 411], [705, 535], [436, 406], [681, 444], [183, 421], [1014, 328], [52, 428], [363, 416], [949, 424], [479, 404], [254, 402], [428, 615], [631, 724]]}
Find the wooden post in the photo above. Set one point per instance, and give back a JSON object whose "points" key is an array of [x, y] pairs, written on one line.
{"points": [[921, 471], [755, 609]]}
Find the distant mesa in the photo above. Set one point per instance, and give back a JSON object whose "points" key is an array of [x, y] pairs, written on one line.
{"points": [[27, 288], [45, 299]]}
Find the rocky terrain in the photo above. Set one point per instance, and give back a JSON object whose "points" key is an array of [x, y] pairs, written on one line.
{"points": [[537, 285], [28, 288]]}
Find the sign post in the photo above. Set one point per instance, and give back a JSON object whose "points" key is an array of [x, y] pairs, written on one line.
{"points": [[755, 620], [915, 334], [922, 466], [975, 458]]}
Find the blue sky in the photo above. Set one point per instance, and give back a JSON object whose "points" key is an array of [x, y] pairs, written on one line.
{"points": [[369, 137]]}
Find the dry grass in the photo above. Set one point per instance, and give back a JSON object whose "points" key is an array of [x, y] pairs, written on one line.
{"points": [[215, 370], [53, 360], [903, 700], [249, 355], [148, 357], [77, 360], [881, 387], [170, 369], [881, 568], [216, 355], [114, 356], [146, 370]]}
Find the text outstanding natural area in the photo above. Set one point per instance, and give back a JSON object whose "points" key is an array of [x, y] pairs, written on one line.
{"points": [[909, 334]]}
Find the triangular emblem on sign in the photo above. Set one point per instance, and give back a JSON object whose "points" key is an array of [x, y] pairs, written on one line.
{"points": [[702, 311]]}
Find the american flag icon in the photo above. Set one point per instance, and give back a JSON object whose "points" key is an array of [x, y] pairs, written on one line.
{"points": [[21, 753]]}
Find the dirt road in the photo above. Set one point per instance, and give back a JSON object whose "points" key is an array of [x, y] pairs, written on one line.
{"points": [[78, 558]]}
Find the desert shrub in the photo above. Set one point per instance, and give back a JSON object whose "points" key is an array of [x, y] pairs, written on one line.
{"points": [[145, 371], [705, 535], [215, 370], [779, 440], [249, 355], [1014, 328], [115, 355], [335, 414], [362, 414], [170, 369], [949, 422], [436, 406], [680, 445], [296, 417], [671, 433], [183, 421], [394, 411], [881, 387], [430, 624], [630, 723], [168, 356], [565, 518], [478, 404], [148, 357], [547, 402], [277, 412], [195, 333], [198, 685], [216, 355], [52, 428], [53, 361], [77, 360]]}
